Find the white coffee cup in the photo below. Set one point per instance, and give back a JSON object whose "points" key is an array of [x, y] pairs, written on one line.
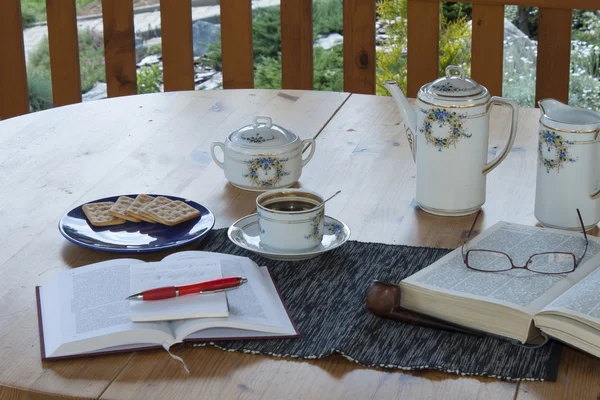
{"points": [[290, 219]]}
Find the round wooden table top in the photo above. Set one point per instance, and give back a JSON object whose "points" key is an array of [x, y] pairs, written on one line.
{"points": [[54, 160]]}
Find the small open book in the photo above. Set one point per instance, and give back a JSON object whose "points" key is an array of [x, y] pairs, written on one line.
{"points": [[83, 311], [517, 304]]}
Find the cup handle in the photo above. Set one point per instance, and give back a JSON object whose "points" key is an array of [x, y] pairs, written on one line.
{"points": [[501, 101], [213, 155], [305, 144]]}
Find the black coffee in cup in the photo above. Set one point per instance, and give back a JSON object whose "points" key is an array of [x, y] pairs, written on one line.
{"points": [[287, 205]]}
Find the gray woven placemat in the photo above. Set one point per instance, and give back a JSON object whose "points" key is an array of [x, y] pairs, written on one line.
{"points": [[325, 297]]}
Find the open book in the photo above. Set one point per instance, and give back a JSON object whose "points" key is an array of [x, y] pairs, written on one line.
{"points": [[84, 312], [517, 304]]}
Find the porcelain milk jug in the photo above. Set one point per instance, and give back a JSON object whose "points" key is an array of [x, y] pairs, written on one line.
{"points": [[568, 169], [448, 132]]}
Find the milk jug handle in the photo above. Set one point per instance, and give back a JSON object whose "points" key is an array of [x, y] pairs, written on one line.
{"points": [[501, 101]]}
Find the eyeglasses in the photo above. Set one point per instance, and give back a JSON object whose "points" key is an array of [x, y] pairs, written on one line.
{"points": [[552, 262]]}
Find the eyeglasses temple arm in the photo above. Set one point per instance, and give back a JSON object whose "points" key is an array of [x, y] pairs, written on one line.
{"points": [[462, 249], [584, 235]]}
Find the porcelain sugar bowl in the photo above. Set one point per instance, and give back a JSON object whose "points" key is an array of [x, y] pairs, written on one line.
{"points": [[263, 156]]}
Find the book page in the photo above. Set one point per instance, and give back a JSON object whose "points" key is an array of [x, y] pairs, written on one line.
{"points": [[253, 306], [176, 273], [518, 288], [84, 309], [582, 300]]}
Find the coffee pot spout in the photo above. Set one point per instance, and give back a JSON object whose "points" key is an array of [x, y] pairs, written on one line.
{"points": [[408, 114]]}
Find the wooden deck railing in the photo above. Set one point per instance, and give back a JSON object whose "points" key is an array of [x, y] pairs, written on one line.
{"points": [[553, 66]]}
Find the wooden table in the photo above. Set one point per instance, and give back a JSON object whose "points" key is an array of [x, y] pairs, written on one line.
{"points": [[53, 160]]}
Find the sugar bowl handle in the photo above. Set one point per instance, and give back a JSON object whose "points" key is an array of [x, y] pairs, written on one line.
{"points": [[213, 155], [501, 101], [305, 144]]}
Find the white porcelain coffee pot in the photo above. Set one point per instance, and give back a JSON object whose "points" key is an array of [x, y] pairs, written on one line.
{"points": [[448, 132], [568, 171]]}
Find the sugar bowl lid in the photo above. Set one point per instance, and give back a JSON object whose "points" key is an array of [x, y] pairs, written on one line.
{"points": [[454, 85], [262, 133]]}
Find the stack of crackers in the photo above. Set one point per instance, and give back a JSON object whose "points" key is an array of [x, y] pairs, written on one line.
{"points": [[143, 208]]}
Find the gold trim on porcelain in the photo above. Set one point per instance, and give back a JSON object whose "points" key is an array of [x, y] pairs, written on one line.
{"points": [[567, 130], [453, 106], [279, 221]]}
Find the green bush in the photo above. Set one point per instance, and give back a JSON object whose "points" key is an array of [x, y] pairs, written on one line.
{"points": [[327, 17], [329, 69], [91, 64], [33, 11], [266, 32], [149, 79], [39, 89], [268, 73], [91, 59], [391, 63]]}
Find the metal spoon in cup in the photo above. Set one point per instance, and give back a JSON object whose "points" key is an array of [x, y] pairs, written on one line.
{"points": [[326, 200]]}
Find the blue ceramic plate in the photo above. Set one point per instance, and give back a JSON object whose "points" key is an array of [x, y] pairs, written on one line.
{"points": [[135, 237]]}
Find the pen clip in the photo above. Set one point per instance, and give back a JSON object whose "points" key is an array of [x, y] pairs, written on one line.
{"points": [[217, 291]]}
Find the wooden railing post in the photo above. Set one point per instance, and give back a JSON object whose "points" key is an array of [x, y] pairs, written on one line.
{"points": [[554, 54], [296, 44], [488, 46], [236, 44], [423, 37], [119, 47], [14, 98], [177, 47], [359, 46], [64, 52]]}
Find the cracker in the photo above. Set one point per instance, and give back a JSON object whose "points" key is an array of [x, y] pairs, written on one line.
{"points": [[98, 214], [119, 209], [153, 205], [140, 202], [174, 213]]}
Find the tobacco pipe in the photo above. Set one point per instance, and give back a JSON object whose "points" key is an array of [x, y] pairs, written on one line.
{"points": [[383, 300]]}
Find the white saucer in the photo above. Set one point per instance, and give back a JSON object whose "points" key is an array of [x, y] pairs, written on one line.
{"points": [[244, 233]]}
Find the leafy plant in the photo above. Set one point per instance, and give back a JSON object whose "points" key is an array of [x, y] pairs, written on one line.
{"points": [[33, 11], [91, 59], [268, 73], [327, 17], [266, 32], [91, 65], [149, 79], [455, 44], [454, 11], [329, 69], [39, 89]]}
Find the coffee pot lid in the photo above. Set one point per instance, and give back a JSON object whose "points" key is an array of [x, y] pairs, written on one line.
{"points": [[454, 84]]}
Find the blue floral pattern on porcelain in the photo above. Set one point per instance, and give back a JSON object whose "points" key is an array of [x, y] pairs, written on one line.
{"points": [[333, 228], [551, 140], [441, 117], [257, 138], [266, 164], [315, 233], [447, 87]]}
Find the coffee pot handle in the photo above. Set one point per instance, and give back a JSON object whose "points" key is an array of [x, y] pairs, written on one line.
{"points": [[501, 101], [595, 195]]}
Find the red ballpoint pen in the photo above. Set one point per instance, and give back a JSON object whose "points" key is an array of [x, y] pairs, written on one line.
{"points": [[215, 285]]}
